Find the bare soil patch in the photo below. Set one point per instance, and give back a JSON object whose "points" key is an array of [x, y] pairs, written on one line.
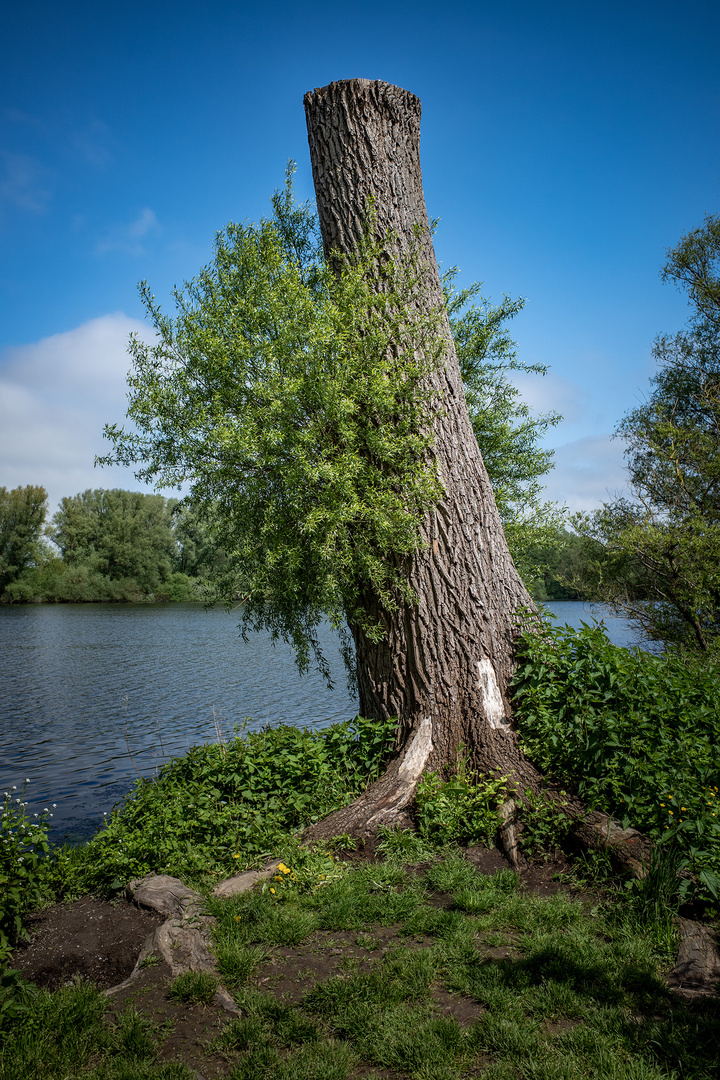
{"points": [[89, 938]]}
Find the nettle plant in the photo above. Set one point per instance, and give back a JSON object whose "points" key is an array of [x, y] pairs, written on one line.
{"points": [[634, 734], [227, 805]]}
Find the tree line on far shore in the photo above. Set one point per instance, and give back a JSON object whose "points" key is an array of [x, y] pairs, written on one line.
{"points": [[114, 545], [103, 546]]}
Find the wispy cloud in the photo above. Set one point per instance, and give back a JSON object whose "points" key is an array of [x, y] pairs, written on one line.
{"points": [[92, 142], [551, 393], [587, 472], [23, 182], [129, 238], [55, 397]]}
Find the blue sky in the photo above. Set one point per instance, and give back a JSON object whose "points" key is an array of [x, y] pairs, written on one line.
{"points": [[565, 147]]}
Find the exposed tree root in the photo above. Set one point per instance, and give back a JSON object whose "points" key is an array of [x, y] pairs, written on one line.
{"points": [[388, 803]]}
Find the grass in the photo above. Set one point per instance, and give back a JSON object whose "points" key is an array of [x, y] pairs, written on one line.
{"points": [[193, 987], [437, 973]]}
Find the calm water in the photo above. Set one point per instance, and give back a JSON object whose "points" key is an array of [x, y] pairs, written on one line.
{"points": [[91, 695]]}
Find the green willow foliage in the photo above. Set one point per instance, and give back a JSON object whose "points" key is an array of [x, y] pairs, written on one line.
{"points": [[280, 393]]}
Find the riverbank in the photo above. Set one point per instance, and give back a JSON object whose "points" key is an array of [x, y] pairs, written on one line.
{"points": [[573, 983]]}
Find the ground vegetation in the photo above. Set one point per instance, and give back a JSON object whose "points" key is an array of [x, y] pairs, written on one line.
{"points": [[417, 955]]}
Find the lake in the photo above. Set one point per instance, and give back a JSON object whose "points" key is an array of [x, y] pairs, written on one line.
{"points": [[93, 695]]}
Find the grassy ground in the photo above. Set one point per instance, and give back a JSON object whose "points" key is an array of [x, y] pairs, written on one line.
{"points": [[430, 970], [417, 965]]}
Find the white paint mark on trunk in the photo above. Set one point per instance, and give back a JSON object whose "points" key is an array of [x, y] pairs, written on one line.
{"points": [[493, 706]]}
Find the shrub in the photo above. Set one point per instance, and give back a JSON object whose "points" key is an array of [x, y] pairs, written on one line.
{"points": [[461, 810], [636, 734], [224, 806]]}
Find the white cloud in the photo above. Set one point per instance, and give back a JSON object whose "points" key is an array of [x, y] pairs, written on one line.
{"points": [[127, 238], [587, 472], [55, 397]]}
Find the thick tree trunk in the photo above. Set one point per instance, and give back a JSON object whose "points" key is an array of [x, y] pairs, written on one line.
{"points": [[444, 665]]}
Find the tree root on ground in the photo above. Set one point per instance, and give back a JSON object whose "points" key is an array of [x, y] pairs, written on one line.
{"points": [[182, 941]]}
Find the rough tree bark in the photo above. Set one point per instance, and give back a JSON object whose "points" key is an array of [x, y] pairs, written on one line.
{"points": [[445, 663]]}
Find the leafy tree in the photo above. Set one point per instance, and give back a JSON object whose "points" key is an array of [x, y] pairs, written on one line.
{"points": [[22, 516], [662, 541], [197, 554], [316, 407], [567, 565], [271, 394], [116, 536], [285, 253]]}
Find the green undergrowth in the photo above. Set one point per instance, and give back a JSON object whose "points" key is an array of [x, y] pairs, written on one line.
{"points": [[434, 972], [635, 734], [226, 806], [24, 850]]}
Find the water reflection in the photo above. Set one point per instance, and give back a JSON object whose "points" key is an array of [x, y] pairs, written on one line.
{"points": [[92, 695]]}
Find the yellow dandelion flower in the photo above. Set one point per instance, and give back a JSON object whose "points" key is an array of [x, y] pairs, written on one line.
{"points": [[670, 811], [237, 917], [662, 804], [277, 877], [283, 868], [236, 855], [272, 890], [683, 807]]}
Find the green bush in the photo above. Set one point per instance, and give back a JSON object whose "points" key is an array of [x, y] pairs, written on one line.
{"points": [[635, 734], [225, 806]]}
